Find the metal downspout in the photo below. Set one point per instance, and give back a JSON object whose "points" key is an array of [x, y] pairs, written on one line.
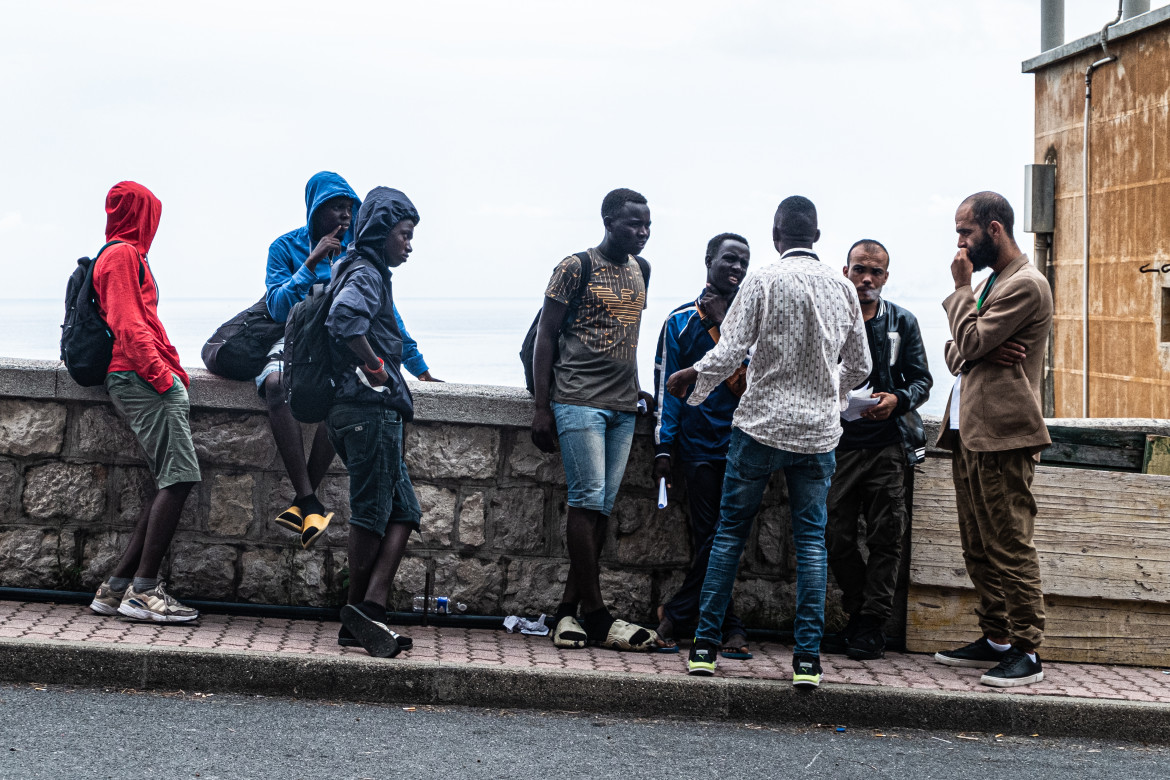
{"points": [[1108, 58]]}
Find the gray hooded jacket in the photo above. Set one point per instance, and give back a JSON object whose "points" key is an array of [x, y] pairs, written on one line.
{"points": [[363, 305]]}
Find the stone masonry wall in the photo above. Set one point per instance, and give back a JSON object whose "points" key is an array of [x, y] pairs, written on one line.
{"points": [[72, 483]]}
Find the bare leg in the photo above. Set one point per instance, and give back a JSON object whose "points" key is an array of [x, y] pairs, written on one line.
{"points": [[161, 523], [386, 566], [320, 456], [364, 547], [286, 431], [584, 537], [128, 564]]}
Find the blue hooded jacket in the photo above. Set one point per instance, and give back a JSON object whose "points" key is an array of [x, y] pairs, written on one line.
{"points": [[287, 278]]}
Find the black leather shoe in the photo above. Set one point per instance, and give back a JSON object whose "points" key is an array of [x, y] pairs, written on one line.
{"points": [[868, 643]]}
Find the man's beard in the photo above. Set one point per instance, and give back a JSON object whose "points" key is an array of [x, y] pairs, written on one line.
{"points": [[983, 254]]}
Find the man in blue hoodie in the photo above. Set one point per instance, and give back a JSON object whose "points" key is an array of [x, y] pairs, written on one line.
{"points": [[698, 436], [296, 261], [371, 405]]}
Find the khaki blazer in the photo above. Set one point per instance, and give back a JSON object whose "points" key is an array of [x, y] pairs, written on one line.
{"points": [[999, 406]]}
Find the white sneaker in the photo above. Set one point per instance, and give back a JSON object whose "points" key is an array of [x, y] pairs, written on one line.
{"points": [[155, 605]]}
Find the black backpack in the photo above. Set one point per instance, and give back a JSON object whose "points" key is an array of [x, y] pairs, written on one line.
{"points": [[87, 344], [239, 348], [528, 348], [309, 379]]}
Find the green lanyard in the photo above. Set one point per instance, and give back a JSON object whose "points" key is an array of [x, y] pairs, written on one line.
{"points": [[986, 289]]}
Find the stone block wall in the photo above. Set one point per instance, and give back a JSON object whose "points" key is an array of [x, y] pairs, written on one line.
{"points": [[72, 483]]}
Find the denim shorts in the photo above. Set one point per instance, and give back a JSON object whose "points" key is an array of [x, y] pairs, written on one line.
{"points": [[161, 423], [595, 445], [275, 363], [368, 437]]}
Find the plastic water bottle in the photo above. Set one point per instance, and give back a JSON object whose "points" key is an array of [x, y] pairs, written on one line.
{"points": [[438, 605]]}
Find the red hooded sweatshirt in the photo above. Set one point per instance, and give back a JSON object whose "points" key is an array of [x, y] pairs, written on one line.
{"points": [[130, 308]]}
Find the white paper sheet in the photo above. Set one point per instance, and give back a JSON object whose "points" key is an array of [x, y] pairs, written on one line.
{"points": [[857, 402]]}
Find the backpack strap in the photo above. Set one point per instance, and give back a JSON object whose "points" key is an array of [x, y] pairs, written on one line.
{"points": [[141, 265], [645, 266], [586, 272]]}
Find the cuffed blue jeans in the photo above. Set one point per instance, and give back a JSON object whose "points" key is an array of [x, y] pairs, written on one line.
{"points": [[749, 466]]}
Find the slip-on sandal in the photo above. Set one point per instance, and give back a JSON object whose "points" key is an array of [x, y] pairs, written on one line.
{"points": [[315, 525], [568, 635], [666, 643], [627, 636], [374, 637], [733, 648], [291, 519]]}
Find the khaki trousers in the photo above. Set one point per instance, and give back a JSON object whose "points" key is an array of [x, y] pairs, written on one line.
{"points": [[997, 515]]}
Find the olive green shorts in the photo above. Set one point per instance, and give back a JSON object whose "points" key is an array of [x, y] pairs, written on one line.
{"points": [[160, 422]]}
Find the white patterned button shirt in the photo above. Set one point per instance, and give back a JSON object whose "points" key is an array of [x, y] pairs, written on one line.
{"points": [[802, 322]]}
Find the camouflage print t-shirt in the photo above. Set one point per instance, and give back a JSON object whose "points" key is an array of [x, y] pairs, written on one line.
{"points": [[598, 362]]}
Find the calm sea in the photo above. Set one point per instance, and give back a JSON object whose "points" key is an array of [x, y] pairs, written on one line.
{"points": [[463, 339]]}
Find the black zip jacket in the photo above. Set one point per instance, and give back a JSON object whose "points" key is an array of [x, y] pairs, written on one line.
{"points": [[899, 367]]}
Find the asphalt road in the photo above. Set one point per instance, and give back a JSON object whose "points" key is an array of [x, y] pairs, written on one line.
{"points": [[56, 732]]}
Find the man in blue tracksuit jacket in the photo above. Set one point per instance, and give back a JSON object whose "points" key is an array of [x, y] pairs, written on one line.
{"points": [[298, 260], [698, 436]]}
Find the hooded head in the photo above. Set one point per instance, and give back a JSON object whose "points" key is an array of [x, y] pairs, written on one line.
{"points": [[322, 188], [132, 214], [382, 209]]}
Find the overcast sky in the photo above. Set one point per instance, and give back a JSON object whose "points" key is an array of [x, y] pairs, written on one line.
{"points": [[506, 123]]}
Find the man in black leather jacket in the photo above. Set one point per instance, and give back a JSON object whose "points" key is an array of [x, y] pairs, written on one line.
{"points": [[875, 457]]}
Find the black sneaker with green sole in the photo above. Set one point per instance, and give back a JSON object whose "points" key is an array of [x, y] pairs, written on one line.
{"points": [[806, 672], [701, 660]]}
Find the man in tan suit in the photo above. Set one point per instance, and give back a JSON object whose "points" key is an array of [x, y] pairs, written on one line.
{"points": [[995, 427]]}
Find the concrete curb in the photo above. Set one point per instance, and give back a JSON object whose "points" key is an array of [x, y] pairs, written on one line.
{"points": [[411, 682]]}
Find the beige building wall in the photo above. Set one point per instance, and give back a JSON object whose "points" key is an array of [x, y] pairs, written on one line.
{"points": [[1129, 336]]}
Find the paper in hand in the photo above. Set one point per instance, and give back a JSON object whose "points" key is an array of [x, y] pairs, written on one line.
{"points": [[662, 493], [857, 402]]}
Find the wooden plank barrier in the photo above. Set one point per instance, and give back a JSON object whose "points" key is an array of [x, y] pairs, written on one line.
{"points": [[1104, 544]]}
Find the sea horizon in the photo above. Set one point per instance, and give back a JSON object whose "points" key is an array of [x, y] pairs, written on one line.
{"points": [[463, 339]]}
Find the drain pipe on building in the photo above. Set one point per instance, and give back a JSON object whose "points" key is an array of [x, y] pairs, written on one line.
{"points": [[1105, 60]]}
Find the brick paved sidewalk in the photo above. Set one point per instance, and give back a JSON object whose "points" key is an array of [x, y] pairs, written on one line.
{"points": [[451, 646]]}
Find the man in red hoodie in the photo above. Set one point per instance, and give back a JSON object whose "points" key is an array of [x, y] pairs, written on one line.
{"points": [[149, 389]]}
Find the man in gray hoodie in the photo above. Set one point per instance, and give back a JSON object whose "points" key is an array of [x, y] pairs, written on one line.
{"points": [[371, 405]]}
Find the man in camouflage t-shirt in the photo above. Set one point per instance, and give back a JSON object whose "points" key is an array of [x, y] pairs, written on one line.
{"points": [[586, 390]]}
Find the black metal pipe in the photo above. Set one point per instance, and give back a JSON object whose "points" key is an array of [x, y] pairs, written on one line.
{"points": [[295, 612], [281, 611]]}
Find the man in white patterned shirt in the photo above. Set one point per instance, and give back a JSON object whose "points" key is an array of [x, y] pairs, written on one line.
{"points": [[802, 322]]}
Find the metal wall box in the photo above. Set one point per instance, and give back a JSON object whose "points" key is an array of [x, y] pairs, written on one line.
{"points": [[1039, 198]]}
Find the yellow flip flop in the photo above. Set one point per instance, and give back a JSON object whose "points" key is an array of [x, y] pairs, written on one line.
{"points": [[314, 526], [291, 519]]}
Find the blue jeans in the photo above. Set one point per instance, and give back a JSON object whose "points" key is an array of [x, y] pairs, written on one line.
{"points": [[749, 466], [595, 445]]}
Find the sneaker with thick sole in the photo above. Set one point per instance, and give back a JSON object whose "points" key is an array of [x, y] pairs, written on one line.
{"points": [[1015, 668], [806, 672], [107, 600], [977, 655], [375, 637], [701, 660], [155, 605]]}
